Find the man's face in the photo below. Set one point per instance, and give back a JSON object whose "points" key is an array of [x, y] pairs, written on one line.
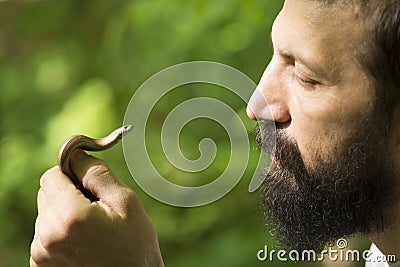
{"points": [[331, 175]]}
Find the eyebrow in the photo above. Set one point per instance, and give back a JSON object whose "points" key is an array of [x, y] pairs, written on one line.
{"points": [[321, 72], [329, 74]]}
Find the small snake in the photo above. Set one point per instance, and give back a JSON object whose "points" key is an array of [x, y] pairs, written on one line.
{"points": [[90, 144]]}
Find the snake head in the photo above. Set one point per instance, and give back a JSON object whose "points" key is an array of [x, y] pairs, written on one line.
{"points": [[126, 129]]}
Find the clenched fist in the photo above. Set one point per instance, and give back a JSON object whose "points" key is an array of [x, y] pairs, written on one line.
{"points": [[72, 231]]}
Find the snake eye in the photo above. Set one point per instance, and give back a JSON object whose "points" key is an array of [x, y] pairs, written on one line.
{"points": [[126, 129]]}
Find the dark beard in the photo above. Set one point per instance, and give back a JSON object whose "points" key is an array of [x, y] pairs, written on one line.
{"points": [[350, 192]]}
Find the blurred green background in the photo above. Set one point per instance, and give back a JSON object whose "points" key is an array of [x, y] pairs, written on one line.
{"points": [[71, 66]]}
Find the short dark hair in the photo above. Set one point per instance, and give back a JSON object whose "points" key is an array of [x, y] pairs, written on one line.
{"points": [[383, 59]]}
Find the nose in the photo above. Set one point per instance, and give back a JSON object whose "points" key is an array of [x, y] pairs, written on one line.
{"points": [[269, 100]]}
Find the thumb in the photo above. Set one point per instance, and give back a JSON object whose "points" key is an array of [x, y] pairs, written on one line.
{"points": [[97, 177]]}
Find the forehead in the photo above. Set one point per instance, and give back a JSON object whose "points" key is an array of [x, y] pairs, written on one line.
{"points": [[333, 34]]}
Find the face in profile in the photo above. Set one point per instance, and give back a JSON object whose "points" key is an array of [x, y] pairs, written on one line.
{"points": [[332, 172]]}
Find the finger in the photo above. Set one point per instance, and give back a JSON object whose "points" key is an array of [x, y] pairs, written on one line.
{"points": [[45, 214], [46, 263], [41, 198], [38, 253], [41, 201], [44, 233], [59, 191], [97, 177], [49, 239], [40, 256], [32, 263], [57, 215]]}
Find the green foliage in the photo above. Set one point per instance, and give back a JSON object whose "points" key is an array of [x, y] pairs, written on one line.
{"points": [[71, 66]]}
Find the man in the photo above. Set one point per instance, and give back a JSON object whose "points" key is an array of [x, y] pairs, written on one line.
{"points": [[333, 90]]}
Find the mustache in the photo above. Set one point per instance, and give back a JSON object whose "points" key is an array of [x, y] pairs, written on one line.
{"points": [[269, 133], [272, 139]]}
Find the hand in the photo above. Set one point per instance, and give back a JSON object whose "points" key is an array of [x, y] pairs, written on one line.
{"points": [[72, 231]]}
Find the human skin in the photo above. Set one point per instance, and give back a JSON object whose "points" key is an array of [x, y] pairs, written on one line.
{"points": [[72, 231], [316, 89]]}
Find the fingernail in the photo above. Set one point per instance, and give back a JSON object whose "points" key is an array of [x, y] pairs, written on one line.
{"points": [[79, 154]]}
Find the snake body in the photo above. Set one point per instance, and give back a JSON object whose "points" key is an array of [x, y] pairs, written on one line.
{"points": [[89, 144]]}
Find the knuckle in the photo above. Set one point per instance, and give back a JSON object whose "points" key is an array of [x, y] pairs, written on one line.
{"points": [[132, 197], [44, 179], [32, 262], [55, 238], [48, 242], [41, 249], [36, 254], [40, 197], [98, 170], [132, 203]]}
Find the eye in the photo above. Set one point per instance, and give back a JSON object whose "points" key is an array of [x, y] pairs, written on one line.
{"points": [[305, 81]]}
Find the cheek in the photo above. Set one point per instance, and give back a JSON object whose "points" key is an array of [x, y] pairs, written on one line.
{"points": [[321, 124]]}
